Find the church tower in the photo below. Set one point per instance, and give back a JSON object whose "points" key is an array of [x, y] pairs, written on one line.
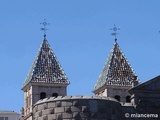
{"points": [[46, 78], [117, 76]]}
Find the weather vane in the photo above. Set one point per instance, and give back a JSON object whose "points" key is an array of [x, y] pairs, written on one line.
{"points": [[115, 31], [44, 27]]}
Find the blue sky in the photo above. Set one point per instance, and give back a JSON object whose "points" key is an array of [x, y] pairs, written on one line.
{"points": [[79, 34]]}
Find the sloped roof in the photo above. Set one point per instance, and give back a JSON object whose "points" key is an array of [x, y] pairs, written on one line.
{"points": [[116, 71], [46, 68], [150, 85], [8, 113]]}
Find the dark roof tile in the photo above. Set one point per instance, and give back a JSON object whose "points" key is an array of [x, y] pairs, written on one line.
{"points": [[46, 68]]}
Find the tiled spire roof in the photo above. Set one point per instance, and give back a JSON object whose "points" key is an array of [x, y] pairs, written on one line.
{"points": [[46, 68], [116, 71]]}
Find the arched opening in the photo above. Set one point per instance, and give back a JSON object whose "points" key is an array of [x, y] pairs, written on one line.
{"points": [[117, 97], [55, 95], [42, 95], [128, 99]]}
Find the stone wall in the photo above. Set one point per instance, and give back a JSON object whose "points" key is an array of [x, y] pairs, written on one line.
{"points": [[77, 108]]}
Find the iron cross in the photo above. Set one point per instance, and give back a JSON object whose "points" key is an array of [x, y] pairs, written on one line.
{"points": [[44, 27], [115, 31]]}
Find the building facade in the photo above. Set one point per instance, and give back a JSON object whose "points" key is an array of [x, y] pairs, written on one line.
{"points": [[9, 115], [117, 76], [118, 92], [46, 78]]}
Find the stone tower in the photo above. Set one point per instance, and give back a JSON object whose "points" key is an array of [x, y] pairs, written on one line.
{"points": [[117, 76], [46, 78]]}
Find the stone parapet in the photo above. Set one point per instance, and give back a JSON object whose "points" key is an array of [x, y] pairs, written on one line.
{"points": [[77, 108]]}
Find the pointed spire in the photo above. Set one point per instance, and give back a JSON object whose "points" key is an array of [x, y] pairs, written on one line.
{"points": [[116, 71], [46, 68]]}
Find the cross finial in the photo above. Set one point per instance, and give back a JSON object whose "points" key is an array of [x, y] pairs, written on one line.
{"points": [[115, 32], [44, 27]]}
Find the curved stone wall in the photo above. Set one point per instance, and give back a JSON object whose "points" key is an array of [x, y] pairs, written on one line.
{"points": [[77, 108]]}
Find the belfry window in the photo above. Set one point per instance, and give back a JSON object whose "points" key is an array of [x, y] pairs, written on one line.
{"points": [[55, 95], [42, 95], [128, 99], [117, 97]]}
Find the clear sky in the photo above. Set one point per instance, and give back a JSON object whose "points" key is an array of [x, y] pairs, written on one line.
{"points": [[79, 34]]}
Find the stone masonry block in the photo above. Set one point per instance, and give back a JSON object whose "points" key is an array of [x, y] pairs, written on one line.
{"points": [[76, 115], [51, 110], [66, 103], [36, 114], [58, 104], [45, 105], [45, 117], [66, 115], [52, 117], [59, 110], [40, 118], [75, 109], [46, 112], [40, 107], [59, 116], [68, 109], [40, 113], [51, 104]]}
